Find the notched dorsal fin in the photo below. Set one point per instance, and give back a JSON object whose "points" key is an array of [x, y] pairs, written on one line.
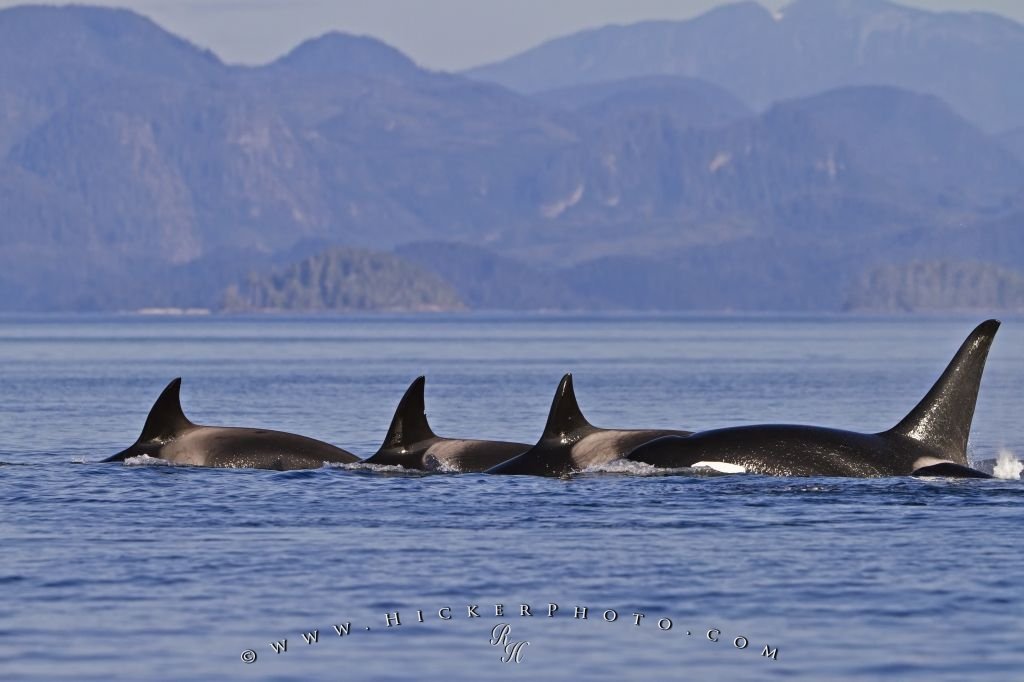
{"points": [[942, 420], [565, 417], [166, 418], [409, 425]]}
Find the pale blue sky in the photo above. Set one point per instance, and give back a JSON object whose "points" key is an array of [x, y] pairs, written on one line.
{"points": [[440, 34]]}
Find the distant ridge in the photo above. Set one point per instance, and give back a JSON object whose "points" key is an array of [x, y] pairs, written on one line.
{"points": [[337, 53], [938, 286], [899, 136], [488, 281], [141, 172], [51, 56], [689, 102], [1014, 141], [808, 47], [344, 280]]}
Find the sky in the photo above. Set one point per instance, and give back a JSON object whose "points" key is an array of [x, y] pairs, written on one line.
{"points": [[438, 34]]}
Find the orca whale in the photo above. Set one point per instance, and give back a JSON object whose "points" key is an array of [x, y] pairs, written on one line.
{"points": [[930, 441], [571, 444], [411, 443], [170, 436]]}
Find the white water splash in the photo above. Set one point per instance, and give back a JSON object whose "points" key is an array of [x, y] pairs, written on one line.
{"points": [[442, 466], [1007, 467], [146, 461], [623, 466], [379, 468]]}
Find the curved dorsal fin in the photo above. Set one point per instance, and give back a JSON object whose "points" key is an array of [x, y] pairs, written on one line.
{"points": [[565, 417], [942, 420], [409, 425], [166, 419]]}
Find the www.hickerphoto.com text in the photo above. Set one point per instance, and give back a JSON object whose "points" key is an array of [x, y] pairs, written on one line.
{"points": [[399, 618]]}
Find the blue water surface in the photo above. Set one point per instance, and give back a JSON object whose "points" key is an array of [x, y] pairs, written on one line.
{"points": [[143, 572]]}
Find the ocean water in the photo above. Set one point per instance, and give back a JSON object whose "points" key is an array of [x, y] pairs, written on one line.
{"points": [[110, 571]]}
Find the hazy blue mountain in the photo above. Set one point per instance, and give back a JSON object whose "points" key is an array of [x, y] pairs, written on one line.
{"points": [[999, 241], [160, 181], [811, 194], [689, 102], [344, 280], [971, 60], [896, 162], [488, 281], [36, 38], [938, 286], [338, 53], [726, 40], [52, 56], [907, 141], [1014, 141], [201, 163], [746, 274]]}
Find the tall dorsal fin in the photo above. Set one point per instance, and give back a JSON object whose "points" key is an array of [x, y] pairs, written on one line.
{"points": [[942, 420], [409, 425], [565, 417], [166, 418]]}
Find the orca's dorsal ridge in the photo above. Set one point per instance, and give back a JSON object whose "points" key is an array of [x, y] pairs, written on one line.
{"points": [[942, 420], [166, 418], [949, 470], [409, 425], [565, 419]]}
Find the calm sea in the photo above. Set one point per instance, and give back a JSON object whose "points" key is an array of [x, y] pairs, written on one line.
{"points": [[110, 571]]}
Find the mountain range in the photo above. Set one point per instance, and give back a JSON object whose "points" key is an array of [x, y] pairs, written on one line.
{"points": [[610, 169], [972, 60]]}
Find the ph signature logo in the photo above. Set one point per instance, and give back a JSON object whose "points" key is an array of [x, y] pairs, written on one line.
{"points": [[513, 651]]}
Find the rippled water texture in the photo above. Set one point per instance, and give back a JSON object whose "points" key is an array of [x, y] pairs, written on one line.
{"points": [[159, 572]]}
